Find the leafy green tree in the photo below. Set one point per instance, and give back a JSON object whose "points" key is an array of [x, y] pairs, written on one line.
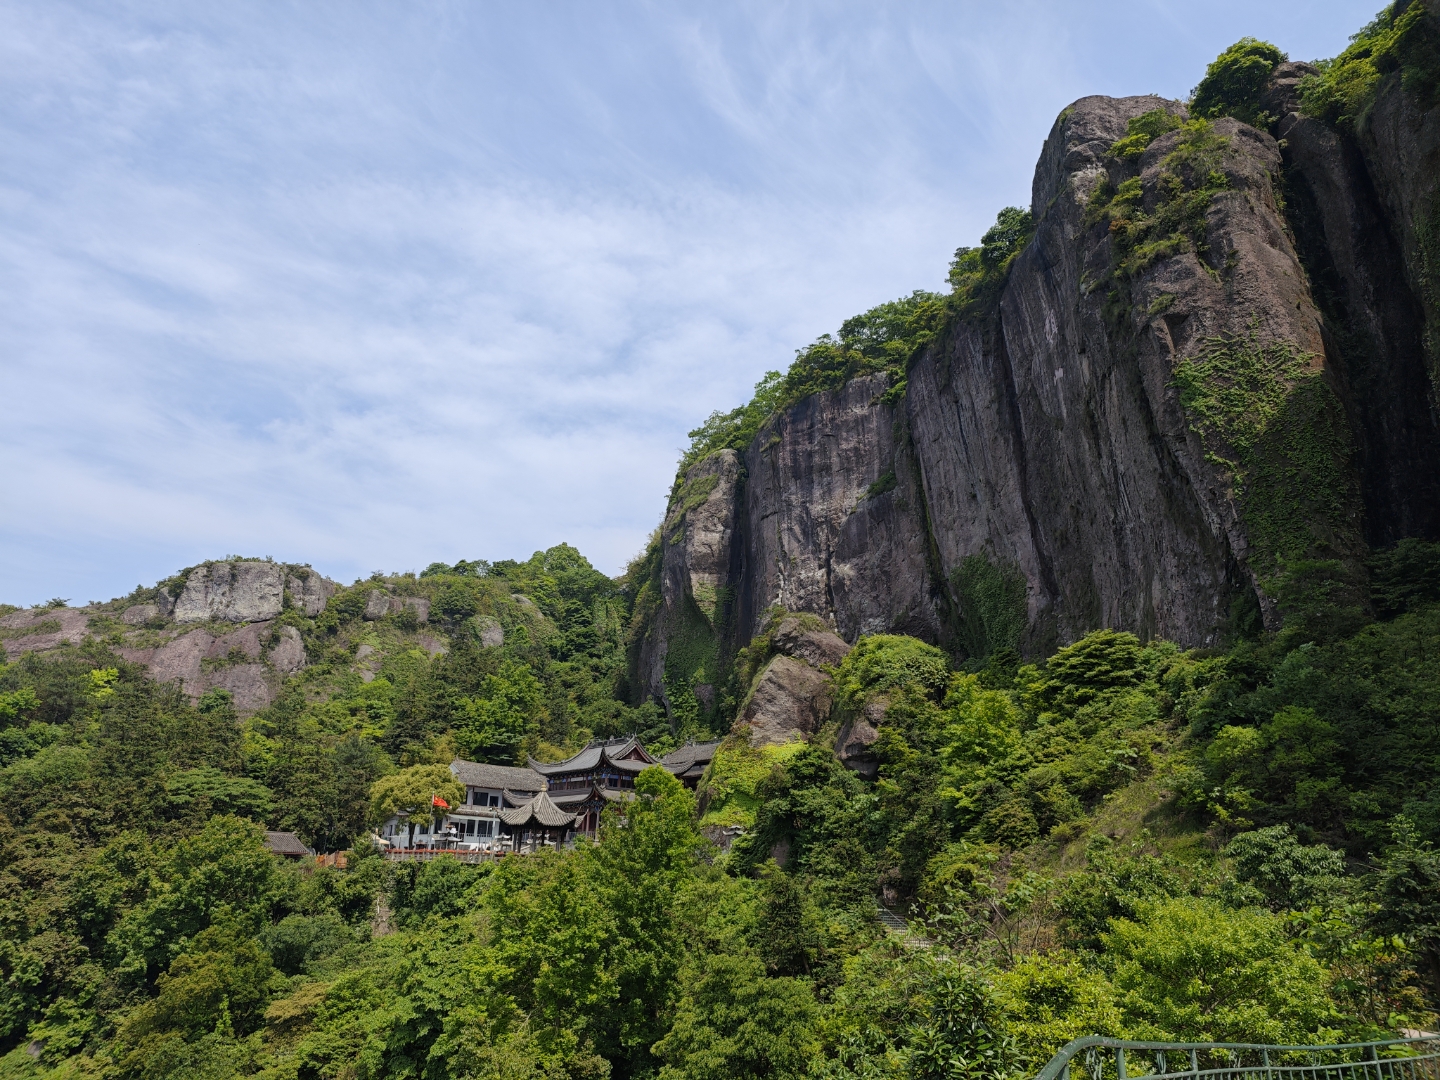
{"points": [[224, 873], [1408, 892], [1287, 874], [414, 791], [786, 933], [508, 707], [961, 1033], [734, 1023], [1048, 999], [1192, 970]]}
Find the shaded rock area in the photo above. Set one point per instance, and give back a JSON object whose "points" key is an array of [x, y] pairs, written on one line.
{"points": [[855, 741], [701, 550], [236, 661], [492, 634]]}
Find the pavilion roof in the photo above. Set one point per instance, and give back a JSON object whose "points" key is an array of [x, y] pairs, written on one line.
{"points": [[285, 843], [538, 811], [691, 756]]}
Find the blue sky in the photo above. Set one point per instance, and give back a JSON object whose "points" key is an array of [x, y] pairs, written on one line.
{"points": [[371, 285]]}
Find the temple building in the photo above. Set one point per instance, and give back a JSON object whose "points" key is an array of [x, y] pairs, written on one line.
{"points": [[603, 773], [520, 809], [689, 762], [537, 824]]}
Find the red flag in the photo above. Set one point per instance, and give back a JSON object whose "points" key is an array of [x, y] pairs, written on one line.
{"points": [[436, 800]]}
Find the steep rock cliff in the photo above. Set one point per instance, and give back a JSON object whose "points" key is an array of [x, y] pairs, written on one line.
{"points": [[1213, 360]]}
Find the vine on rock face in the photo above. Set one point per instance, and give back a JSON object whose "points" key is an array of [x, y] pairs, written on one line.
{"points": [[992, 605], [1269, 419]]}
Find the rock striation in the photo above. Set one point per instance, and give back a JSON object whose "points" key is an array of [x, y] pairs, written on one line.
{"points": [[1072, 440]]}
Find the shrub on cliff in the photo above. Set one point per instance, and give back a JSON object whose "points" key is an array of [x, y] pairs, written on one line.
{"points": [[1235, 83]]}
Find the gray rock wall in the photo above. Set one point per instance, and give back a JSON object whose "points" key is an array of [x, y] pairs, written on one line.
{"points": [[1050, 436], [236, 591], [833, 519], [1054, 440]]}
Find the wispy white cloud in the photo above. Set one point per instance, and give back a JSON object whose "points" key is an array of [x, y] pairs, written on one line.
{"points": [[369, 286]]}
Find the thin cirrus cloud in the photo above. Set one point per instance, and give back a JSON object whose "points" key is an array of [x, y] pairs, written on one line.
{"points": [[369, 285]]}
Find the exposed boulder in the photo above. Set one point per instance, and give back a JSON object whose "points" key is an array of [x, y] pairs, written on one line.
{"points": [[139, 614], [287, 655], [377, 605], [419, 605], [492, 634], [309, 590], [363, 656], [241, 590], [855, 741], [789, 701], [805, 640]]}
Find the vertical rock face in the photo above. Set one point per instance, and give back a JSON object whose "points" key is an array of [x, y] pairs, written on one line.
{"points": [[1127, 438], [1354, 208], [699, 568], [834, 523], [1054, 438]]}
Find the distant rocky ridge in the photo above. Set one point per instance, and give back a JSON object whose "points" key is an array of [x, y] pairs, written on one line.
{"points": [[160, 631]]}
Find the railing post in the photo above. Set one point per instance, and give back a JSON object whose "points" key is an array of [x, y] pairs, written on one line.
{"points": [[1194, 1063], [1120, 1063]]}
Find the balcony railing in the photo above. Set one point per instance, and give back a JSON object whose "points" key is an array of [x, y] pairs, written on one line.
{"points": [[425, 854], [1099, 1058]]}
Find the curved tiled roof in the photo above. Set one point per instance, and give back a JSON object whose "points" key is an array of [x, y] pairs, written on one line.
{"points": [[538, 811], [503, 777], [576, 798], [689, 755], [612, 753]]}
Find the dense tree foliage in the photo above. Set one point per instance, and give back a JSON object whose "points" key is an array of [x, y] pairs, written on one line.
{"points": [[1125, 838]]}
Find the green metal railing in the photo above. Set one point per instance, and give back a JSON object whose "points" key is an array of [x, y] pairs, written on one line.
{"points": [[1099, 1058]]}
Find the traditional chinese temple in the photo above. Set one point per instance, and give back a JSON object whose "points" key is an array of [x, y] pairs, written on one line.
{"points": [[603, 773]]}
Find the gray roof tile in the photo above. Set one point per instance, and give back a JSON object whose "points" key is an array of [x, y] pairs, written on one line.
{"points": [[502, 777]]}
